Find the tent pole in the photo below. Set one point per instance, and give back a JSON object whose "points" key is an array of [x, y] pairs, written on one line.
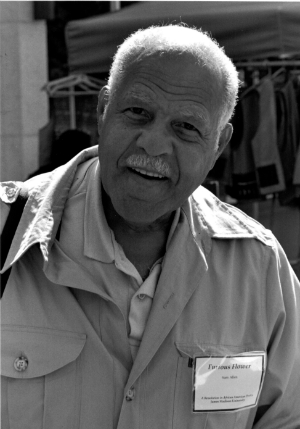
{"points": [[268, 63], [115, 6], [72, 109]]}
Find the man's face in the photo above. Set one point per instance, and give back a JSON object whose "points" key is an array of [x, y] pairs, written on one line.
{"points": [[158, 136]]}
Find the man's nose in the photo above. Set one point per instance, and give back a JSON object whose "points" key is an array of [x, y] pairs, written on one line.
{"points": [[155, 140]]}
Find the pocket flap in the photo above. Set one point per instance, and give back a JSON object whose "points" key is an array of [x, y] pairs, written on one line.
{"points": [[46, 350], [191, 350]]}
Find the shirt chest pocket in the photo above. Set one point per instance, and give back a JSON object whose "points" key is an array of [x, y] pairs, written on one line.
{"points": [[41, 384], [183, 415]]}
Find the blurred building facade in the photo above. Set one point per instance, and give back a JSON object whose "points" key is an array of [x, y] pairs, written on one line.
{"points": [[24, 70]]}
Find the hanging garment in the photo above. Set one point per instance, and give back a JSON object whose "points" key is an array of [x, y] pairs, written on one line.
{"points": [[245, 124], [264, 144], [296, 178], [288, 138]]}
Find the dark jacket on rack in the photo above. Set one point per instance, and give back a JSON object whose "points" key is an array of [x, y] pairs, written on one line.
{"points": [[245, 123], [288, 124], [264, 144]]}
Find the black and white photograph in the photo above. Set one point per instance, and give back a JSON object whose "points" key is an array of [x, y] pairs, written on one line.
{"points": [[150, 214]]}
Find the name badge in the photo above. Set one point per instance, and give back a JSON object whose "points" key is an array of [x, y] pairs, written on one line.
{"points": [[227, 383]]}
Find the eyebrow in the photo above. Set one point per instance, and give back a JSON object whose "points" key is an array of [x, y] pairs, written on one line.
{"points": [[139, 96], [196, 115]]}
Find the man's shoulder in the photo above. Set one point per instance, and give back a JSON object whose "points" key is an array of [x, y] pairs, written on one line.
{"points": [[9, 190], [46, 185], [9, 193], [226, 221]]}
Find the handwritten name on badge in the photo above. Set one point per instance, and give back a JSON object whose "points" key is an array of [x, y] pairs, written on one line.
{"points": [[227, 383]]}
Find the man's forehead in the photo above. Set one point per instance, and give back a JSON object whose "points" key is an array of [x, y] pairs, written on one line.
{"points": [[187, 109]]}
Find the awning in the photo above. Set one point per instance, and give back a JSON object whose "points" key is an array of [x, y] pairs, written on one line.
{"points": [[247, 30]]}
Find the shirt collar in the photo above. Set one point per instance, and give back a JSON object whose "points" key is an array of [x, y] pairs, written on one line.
{"points": [[98, 240], [42, 213], [210, 218]]}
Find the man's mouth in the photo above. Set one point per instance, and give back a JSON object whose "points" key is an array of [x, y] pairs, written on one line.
{"points": [[147, 174], [150, 168]]}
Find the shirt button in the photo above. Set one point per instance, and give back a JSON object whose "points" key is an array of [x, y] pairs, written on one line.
{"points": [[11, 194], [141, 296], [21, 363], [130, 394]]}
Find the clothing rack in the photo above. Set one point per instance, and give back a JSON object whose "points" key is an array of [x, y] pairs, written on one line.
{"points": [[255, 66], [72, 86]]}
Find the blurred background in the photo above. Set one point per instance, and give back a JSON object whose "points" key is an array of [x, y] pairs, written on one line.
{"points": [[55, 57]]}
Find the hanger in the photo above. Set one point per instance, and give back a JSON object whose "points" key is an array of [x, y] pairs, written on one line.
{"points": [[256, 84]]}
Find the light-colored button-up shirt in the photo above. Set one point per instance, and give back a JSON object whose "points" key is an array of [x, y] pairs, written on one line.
{"points": [[225, 288]]}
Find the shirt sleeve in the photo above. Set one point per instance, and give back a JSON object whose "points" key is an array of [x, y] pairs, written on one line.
{"points": [[279, 404]]}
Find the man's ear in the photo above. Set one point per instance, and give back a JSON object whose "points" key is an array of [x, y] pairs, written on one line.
{"points": [[102, 103], [224, 139]]}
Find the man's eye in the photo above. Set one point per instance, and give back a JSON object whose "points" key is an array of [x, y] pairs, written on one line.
{"points": [[137, 111], [186, 127]]}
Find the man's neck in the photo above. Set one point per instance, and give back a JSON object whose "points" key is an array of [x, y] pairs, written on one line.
{"points": [[143, 244]]}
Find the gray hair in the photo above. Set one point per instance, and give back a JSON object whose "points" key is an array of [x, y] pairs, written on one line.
{"points": [[178, 39]]}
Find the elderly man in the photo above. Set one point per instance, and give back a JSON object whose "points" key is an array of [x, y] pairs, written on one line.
{"points": [[136, 298]]}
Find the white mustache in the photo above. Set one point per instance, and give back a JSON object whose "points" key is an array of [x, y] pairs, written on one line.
{"points": [[144, 161]]}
